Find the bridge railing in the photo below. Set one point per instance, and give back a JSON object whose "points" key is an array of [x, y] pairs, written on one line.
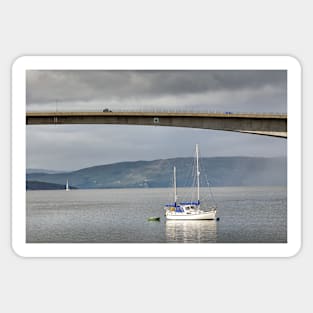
{"points": [[155, 110]]}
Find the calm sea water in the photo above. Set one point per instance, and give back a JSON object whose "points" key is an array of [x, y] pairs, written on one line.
{"points": [[247, 215]]}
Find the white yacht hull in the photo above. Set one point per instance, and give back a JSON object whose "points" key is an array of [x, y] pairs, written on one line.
{"points": [[192, 216], [189, 210]]}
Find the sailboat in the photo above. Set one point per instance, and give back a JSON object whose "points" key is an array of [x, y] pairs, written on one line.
{"points": [[189, 210], [67, 187]]}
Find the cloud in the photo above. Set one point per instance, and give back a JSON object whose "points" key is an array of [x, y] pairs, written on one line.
{"points": [[201, 90], [70, 147]]}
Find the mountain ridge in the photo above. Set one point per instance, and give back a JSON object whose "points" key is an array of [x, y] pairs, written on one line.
{"points": [[222, 171]]}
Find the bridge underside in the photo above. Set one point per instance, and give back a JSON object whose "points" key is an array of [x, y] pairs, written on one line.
{"points": [[261, 124], [264, 133]]}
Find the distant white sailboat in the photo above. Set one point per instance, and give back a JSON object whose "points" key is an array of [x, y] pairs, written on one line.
{"points": [[67, 186], [189, 210]]}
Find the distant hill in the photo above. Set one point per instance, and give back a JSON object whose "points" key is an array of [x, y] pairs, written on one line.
{"points": [[39, 185], [36, 170], [220, 171]]}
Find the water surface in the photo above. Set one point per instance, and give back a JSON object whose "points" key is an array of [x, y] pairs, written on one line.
{"points": [[247, 215]]}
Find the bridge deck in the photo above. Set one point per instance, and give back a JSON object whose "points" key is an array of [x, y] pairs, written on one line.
{"points": [[255, 123], [156, 113]]}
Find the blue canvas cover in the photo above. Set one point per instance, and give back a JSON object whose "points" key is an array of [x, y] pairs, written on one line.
{"points": [[190, 203], [179, 210]]}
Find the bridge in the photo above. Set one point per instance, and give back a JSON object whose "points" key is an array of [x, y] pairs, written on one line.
{"points": [[254, 123]]}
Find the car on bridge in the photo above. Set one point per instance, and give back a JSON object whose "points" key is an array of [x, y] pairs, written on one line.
{"points": [[106, 110], [228, 112]]}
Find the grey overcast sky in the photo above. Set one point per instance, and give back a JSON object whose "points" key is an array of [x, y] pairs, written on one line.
{"points": [[70, 147]]}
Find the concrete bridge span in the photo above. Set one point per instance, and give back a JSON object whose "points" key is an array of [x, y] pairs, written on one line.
{"points": [[261, 124]]}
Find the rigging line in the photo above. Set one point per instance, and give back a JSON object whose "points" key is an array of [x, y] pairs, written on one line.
{"points": [[194, 175], [188, 177], [190, 192], [210, 189], [192, 179], [171, 181], [208, 182]]}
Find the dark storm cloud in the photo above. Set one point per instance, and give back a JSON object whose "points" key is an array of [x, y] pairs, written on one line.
{"points": [[202, 90]]}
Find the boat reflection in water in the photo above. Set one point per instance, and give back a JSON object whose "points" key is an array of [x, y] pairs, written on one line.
{"points": [[191, 231]]}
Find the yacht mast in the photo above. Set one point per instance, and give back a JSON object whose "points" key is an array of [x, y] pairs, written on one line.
{"points": [[198, 173], [175, 194]]}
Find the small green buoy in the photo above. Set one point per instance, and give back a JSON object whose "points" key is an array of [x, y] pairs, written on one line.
{"points": [[154, 219]]}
